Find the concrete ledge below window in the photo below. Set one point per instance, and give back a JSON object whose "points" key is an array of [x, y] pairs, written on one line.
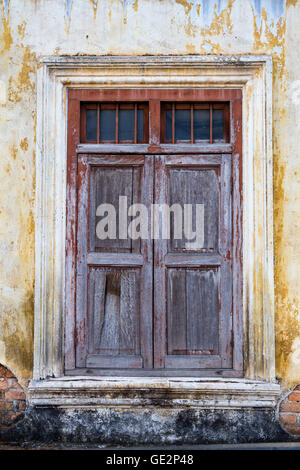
{"points": [[82, 392]]}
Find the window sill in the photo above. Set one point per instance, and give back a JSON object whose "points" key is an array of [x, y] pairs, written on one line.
{"points": [[82, 392]]}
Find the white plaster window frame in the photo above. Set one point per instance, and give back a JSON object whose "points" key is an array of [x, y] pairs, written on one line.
{"points": [[253, 75]]}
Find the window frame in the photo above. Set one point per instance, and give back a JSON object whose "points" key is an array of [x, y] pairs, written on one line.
{"points": [[136, 106], [156, 99], [225, 106], [253, 75]]}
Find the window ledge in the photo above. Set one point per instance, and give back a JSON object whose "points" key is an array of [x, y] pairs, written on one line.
{"points": [[96, 392]]}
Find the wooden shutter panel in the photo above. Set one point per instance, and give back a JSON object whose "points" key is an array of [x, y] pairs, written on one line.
{"points": [[114, 276], [193, 287]]}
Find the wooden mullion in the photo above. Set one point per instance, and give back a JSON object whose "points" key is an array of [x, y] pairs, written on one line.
{"points": [[154, 128], [135, 123], [173, 123], [210, 124], [146, 124], [83, 124], [237, 217], [117, 123], [160, 282], [192, 123], [98, 123], [226, 122], [81, 265], [73, 137]]}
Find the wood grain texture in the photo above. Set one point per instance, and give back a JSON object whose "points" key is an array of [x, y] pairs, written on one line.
{"points": [[113, 313], [177, 312], [154, 148], [196, 313], [195, 186], [202, 311], [81, 264], [71, 215], [106, 186], [97, 291], [114, 305]]}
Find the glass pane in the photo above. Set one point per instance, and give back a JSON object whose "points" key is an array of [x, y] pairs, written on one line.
{"points": [[182, 124], [91, 124], [108, 124], [126, 124], [218, 126], [201, 124], [168, 125], [140, 129]]}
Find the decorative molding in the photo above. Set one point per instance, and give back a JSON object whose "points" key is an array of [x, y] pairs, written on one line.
{"points": [[176, 392], [252, 74]]}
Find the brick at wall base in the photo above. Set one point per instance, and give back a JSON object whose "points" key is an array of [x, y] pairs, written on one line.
{"points": [[12, 399], [289, 412]]}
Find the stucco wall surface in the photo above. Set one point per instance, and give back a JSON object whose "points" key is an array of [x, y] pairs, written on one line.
{"points": [[31, 29]]}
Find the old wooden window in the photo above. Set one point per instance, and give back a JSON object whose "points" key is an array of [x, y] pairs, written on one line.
{"points": [[157, 304]]}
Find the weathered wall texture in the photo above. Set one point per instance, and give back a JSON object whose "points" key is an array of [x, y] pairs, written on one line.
{"points": [[31, 29]]}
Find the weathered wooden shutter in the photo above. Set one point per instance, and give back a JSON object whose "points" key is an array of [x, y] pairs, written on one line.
{"points": [[193, 287], [114, 276], [161, 306]]}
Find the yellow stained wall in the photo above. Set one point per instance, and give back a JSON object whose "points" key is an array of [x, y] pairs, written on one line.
{"points": [[30, 29]]}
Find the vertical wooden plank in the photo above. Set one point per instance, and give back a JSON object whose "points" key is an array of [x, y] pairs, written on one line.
{"points": [[192, 123], [91, 310], [195, 310], [135, 123], [117, 123], [146, 124], [225, 247], [173, 123], [70, 262], [237, 268], [210, 124], [176, 304], [81, 266], [237, 250], [160, 250], [129, 321], [135, 199], [146, 294], [82, 123], [154, 118], [202, 311], [92, 210], [99, 306], [176, 193], [98, 123], [226, 122], [71, 265], [210, 280], [110, 332]]}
